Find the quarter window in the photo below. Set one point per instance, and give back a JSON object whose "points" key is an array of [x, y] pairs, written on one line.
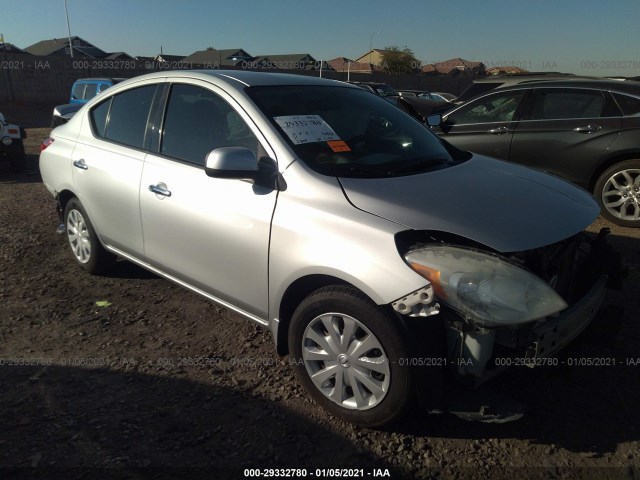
{"points": [[99, 117], [567, 104], [128, 116], [493, 108], [198, 121], [629, 105]]}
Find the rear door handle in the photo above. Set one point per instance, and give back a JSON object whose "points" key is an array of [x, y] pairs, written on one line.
{"points": [[498, 131], [160, 189], [587, 129], [80, 164]]}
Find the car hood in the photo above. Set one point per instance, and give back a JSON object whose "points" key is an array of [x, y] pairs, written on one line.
{"points": [[504, 206]]}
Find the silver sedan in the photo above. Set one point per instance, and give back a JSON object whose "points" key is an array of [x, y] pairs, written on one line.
{"points": [[383, 260]]}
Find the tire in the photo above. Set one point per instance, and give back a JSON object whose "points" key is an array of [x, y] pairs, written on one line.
{"points": [[17, 157], [375, 386], [85, 246], [618, 192]]}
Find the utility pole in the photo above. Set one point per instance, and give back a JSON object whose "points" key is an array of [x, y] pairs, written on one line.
{"points": [[370, 48], [68, 28]]}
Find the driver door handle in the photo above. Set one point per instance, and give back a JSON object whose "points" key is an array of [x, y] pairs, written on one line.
{"points": [[160, 190], [498, 131], [80, 164], [587, 129]]}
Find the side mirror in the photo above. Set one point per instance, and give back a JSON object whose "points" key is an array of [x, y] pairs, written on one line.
{"points": [[232, 162], [434, 120]]}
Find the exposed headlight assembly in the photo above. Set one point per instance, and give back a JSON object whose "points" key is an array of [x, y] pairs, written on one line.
{"points": [[483, 287]]}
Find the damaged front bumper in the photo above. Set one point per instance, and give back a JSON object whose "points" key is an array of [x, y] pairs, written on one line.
{"points": [[590, 265]]}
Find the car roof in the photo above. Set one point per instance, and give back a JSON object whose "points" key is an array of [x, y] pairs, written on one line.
{"points": [[238, 79], [626, 86], [101, 79]]}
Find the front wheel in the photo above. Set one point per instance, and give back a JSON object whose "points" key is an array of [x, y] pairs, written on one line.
{"points": [[347, 353], [87, 250], [618, 192]]}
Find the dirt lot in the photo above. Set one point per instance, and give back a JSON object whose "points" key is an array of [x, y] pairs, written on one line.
{"points": [[92, 390]]}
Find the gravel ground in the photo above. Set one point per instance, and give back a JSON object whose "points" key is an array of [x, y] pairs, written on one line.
{"points": [[130, 376]]}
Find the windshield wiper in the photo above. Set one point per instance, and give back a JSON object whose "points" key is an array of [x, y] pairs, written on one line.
{"points": [[419, 165]]}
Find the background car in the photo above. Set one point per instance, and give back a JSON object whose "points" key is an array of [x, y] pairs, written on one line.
{"points": [[82, 91], [584, 130], [428, 95], [418, 107], [363, 242], [485, 84], [85, 89]]}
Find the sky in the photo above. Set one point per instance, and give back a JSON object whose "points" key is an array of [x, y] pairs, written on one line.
{"points": [[591, 37]]}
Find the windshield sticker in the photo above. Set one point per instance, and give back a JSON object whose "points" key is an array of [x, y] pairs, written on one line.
{"points": [[306, 128], [339, 146]]}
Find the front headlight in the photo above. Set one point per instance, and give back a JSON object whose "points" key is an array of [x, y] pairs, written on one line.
{"points": [[483, 287]]}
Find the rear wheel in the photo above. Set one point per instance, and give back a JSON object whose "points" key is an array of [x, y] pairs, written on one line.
{"points": [[85, 246], [618, 192], [347, 353]]}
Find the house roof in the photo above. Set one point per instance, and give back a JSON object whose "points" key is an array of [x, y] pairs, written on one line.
{"points": [[226, 57], [504, 69], [116, 55], [343, 64], [289, 61], [167, 58], [450, 65], [48, 47], [10, 48]]}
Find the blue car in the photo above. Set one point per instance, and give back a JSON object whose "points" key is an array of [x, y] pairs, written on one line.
{"points": [[82, 91]]}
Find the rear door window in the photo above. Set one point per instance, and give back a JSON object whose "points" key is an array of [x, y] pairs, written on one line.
{"points": [[561, 104], [128, 116]]}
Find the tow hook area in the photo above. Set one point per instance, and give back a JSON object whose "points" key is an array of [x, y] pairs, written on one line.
{"points": [[607, 260], [417, 304], [484, 405]]}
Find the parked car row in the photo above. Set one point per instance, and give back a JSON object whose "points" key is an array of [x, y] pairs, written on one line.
{"points": [[385, 261], [418, 106]]}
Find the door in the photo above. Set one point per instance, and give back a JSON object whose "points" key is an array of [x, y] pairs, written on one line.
{"points": [[485, 125], [211, 233], [566, 131], [107, 165]]}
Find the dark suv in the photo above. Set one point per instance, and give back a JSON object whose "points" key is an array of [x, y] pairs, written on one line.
{"points": [[584, 130]]}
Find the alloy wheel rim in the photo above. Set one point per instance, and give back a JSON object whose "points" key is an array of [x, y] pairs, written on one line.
{"points": [[345, 361], [78, 235], [621, 195]]}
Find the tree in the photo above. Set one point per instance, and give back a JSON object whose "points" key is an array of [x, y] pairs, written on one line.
{"points": [[399, 62]]}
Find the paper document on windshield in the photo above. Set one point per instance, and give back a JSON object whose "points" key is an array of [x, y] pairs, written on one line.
{"points": [[306, 128]]}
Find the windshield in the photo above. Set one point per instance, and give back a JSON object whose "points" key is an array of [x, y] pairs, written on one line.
{"points": [[347, 132]]}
